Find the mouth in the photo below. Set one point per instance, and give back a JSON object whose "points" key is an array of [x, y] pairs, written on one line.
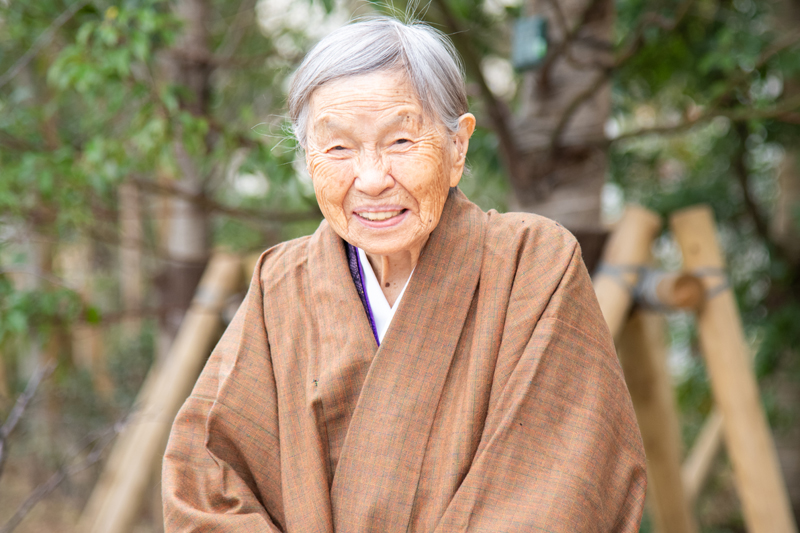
{"points": [[381, 218], [377, 216]]}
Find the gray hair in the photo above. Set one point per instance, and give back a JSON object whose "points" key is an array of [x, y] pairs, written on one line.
{"points": [[384, 44]]}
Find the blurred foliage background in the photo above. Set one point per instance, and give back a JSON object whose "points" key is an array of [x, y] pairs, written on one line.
{"points": [[136, 136]]}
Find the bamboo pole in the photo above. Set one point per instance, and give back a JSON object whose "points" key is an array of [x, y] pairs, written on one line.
{"points": [[747, 436], [643, 358], [118, 495], [627, 250], [701, 457]]}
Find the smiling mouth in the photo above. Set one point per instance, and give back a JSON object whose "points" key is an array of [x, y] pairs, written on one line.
{"points": [[376, 216]]}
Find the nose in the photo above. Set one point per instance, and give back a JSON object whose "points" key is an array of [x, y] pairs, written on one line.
{"points": [[372, 174]]}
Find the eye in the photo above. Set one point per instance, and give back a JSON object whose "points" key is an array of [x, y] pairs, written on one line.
{"points": [[402, 141], [337, 148]]}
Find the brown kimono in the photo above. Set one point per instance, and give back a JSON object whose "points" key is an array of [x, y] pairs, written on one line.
{"points": [[494, 403]]}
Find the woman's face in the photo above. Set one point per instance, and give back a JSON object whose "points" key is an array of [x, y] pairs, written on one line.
{"points": [[381, 168]]}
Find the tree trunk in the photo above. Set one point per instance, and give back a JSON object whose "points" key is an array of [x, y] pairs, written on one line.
{"points": [[87, 342], [566, 103], [130, 257], [785, 222], [786, 233], [187, 235]]}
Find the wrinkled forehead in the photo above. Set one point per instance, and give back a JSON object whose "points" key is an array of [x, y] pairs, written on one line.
{"points": [[382, 99], [400, 117]]}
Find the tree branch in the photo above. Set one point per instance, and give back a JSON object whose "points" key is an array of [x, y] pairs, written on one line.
{"points": [[99, 444], [739, 165], [785, 111], [742, 173], [42, 41], [15, 143], [218, 61], [233, 35], [742, 76], [635, 42], [736, 115], [560, 18], [55, 280], [573, 106], [789, 118], [211, 205], [39, 375], [566, 43], [497, 110], [633, 46]]}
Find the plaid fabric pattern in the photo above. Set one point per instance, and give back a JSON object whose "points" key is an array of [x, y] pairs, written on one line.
{"points": [[495, 402]]}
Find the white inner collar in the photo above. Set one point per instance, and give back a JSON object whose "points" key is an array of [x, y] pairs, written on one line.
{"points": [[382, 312]]}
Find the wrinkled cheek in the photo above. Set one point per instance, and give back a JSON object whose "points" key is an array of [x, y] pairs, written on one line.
{"points": [[331, 182], [429, 185]]}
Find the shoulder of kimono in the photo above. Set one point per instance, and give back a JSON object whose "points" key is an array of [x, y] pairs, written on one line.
{"points": [[529, 237], [282, 263]]}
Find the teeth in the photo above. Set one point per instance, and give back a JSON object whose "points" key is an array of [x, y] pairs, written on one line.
{"points": [[378, 215]]}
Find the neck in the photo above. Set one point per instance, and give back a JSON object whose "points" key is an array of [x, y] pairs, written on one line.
{"points": [[394, 270]]}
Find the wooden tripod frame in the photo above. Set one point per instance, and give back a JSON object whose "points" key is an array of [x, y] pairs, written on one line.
{"points": [[641, 345]]}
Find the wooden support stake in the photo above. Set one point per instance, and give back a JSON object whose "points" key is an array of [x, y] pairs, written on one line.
{"points": [[643, 358], [747, 436], [701, 457], [628, 248], [680, 290], [698, 463], [625, 258], [118, 495]]}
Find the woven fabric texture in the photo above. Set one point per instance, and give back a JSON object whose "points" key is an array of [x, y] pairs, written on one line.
{"points": [[494, 404]]}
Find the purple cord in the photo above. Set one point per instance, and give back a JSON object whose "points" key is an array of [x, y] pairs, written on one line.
{"points": [[366, 297]]}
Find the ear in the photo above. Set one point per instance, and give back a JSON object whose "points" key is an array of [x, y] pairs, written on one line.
{"points": [[466, 125]]}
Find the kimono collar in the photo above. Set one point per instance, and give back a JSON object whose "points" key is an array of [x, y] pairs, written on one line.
{"points": [[403, 379]]}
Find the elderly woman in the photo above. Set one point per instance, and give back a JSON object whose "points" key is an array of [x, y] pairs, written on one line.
{"points": [[416, 364]]}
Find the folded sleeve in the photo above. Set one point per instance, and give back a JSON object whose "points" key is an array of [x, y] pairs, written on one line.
{"points": [[220, 438], [561, 449]]}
